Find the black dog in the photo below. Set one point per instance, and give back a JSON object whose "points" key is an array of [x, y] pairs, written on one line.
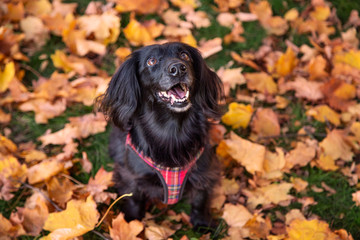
{"points": [[162, 101]]}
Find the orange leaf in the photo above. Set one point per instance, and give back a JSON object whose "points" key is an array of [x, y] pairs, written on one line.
{"points": [[302, 154], [78, 218], [6, 76], [250, 155], [336, 145], [122, 230], [44, 170], [265, 122], [99, 183], [261, 82], [60, 190], [323, 113]]}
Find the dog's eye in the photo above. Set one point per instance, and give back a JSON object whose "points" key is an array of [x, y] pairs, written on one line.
{"points": [[184, 56], [151, 61]]}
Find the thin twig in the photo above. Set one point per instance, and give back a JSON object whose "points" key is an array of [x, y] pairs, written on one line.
{"points": [[291, 135], [107, 211], [72, 179], [36, 73], [46, 197], [100, 235]]}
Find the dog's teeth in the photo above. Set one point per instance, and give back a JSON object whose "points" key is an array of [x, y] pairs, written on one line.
{"points": [[187, 94]]}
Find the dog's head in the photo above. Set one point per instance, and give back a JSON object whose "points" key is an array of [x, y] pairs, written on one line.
{"points": [[171, 77]]}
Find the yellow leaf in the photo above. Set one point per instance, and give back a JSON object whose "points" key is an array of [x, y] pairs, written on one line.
{"points": [[321, 13], [291, 15], [286, 63], [324, 113], [309, 229], [11, 168], [142, 34], [351, 58], [274, 193], [302, 154], [78, 218], [261, 82], [123, 230], [236, 215], [189, 39], [186, 3], [299, 184], [355, 129], [326, 163], [274, 161], [230, 186], [250, 155], [6, 76], [239, 115]]}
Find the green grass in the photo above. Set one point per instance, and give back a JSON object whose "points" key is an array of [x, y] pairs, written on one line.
{"points": [[338, 209]]}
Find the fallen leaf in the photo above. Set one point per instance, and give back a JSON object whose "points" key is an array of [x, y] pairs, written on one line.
{"points": [[326, 163], [60, 190], [78, 218], [248, 154], [304, 89], [356, 198], [336, 145], [286, 63], [273, 193], [261, 82], [34, 214], [99, 183], [230, 78], [309, 229], [324, 113], [142, 6], [142, 33], [239, 115], [157, 232], [259, 228], [122, 230], [236, 215], [302, 154], [44, 170], [317, 68], [6, 76], [72, 63], [293, 214], [210, 47], [265, 123]]}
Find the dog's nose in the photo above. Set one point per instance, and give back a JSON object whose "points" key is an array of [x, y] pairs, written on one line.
{"points": [[177, 69]]}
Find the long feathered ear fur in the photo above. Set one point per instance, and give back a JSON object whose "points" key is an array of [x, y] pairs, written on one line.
{"points": [[120, 100], [209, 86]]}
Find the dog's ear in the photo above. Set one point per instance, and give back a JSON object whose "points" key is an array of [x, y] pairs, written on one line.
{"points": [[208, 86], [121, 98]]}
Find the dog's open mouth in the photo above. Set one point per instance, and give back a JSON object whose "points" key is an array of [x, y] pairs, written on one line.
{"points": [[177, 94]]}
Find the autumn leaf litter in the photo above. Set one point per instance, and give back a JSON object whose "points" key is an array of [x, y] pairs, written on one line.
{"points": [[323, 76]]}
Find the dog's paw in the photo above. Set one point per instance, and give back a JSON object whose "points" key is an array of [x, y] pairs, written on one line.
{"points": [[203, 224]]}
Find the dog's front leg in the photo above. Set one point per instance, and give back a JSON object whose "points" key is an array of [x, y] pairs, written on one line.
{"points": [[200, 211], [134, 208]]}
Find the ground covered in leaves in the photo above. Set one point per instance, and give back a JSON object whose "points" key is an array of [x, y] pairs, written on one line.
{"points": [[289, 139]]}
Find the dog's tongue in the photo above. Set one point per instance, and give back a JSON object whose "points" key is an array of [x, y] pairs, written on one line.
{"points": [[177, 92]]}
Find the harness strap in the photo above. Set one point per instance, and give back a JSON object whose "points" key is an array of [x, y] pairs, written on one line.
{"points": [[172, 179]]}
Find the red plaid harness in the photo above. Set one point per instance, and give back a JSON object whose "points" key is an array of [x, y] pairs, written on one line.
{"points": [[172, 179]]}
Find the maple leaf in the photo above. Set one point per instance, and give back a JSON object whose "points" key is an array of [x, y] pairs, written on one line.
{"points": [[356, 198], [105, 27], [210, 47], [10, 230], [122, 230], [226, 5], [265, 122], [99, 183], [35, 30], [250, 155], [78, 218], [239, 115], [259, 228], [261, 82], [309, 229], [273, 193], [274, 163], [230, 78], [236, 216]]}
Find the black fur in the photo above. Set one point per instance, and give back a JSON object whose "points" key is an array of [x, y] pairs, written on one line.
{"points": [[171, 134]]}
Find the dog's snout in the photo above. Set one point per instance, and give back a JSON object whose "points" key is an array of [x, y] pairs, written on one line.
{"points": [[177, 69]]}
